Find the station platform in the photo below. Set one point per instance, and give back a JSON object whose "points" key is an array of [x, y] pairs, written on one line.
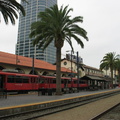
{"points": [[25, 103], [28, 99]]}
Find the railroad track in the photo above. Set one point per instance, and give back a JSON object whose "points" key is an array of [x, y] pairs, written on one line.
{"points": [[59, 105], [99, 116]]}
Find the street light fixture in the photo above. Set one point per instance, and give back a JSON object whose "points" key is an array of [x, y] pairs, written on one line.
{"points": [[71, 62], [78, 68], [33, 69], [17, 60]]}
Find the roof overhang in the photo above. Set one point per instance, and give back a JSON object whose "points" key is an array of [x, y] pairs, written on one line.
{"points": [[88, 77]]}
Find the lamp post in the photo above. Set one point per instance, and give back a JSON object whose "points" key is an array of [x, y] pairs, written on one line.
{"points": [[77, 64], [78, 68], [71, 62], [33, 65], [17, 60], [33, 62]]}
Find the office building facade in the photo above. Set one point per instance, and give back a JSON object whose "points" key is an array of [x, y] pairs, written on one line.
{"points": [[24, 45]]}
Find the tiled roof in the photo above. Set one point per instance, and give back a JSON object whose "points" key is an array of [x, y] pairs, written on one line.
{"points": [[86, 66], [25, 61]]}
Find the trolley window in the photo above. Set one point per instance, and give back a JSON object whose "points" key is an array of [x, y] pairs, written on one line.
{"points": [[46, 80], [37, 79], [2, 81], [62, 81], [11, 79], [75, 81], [18, 79], [25, 79], [32, 80], [54, 81], [82, 82], [69, 81], [50, 80], [41, 80]]}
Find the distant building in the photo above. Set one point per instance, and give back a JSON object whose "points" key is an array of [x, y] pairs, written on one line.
{"points": [[88, 70], [24, 46], [72, 65], [83, 69], [107, 74], [74, 58]]}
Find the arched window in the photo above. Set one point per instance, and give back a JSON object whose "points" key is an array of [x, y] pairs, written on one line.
{"points": [[20, 70], [1, 68], [45, 73], [34, 73], [63, 75]]}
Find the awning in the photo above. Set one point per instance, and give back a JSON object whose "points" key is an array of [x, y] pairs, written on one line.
{"points": [[88, 77]]}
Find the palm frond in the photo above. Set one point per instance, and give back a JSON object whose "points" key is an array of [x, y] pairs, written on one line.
{"points": [[9, 10]]}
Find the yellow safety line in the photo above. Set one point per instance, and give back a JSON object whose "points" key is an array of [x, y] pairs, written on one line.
{"points": [[26, 105]]}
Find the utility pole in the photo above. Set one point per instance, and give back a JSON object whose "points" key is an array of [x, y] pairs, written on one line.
{"points": [[33, 65], [71, 62], [78, 68], [71, 66]]}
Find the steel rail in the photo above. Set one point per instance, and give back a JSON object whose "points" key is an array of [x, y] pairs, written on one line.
{"points": [[105, 112]]}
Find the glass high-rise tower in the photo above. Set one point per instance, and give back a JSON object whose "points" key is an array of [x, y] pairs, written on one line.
{"points": [[24, 45]]}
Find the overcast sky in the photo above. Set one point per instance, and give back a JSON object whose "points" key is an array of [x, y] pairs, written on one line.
{"points": [[101, 20]]}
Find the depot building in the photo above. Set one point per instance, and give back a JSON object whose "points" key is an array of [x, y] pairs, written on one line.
{"points": [[25, 65]]}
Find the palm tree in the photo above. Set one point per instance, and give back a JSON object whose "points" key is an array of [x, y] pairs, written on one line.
{"points": [[55, 25], [104, 66], [117, 67], [9, 9], [108, 61]]}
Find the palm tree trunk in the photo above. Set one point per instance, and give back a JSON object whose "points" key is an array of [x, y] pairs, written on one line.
{"points": [[111, 69], [119, 77], [58, 71]]}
